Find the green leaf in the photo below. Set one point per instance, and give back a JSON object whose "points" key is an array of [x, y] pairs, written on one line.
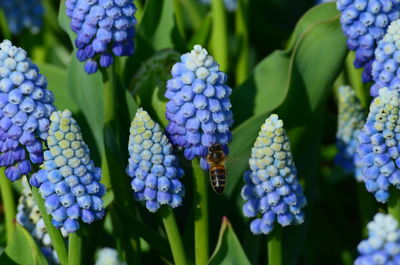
{"points": [[228, 250], [22, 250], [293, 83]]}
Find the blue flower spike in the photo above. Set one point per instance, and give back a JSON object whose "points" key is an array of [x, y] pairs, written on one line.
{"points": [[104, 28], [28, 216], [152, 165], [387, 60], [364, 22], [25, 107], [23, 14], [383, 243], [378, 148], [199, 106], [350, 122], [272, 192], [69, 182], [108, 256]]}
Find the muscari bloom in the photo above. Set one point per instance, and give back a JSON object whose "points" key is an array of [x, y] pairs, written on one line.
{"points": [[69, 182], [28, 216], [387, 59], [230, 5], [25, 107], [364, 22], [378, 148], [23, 14], [350, 122], [104, 28], [383, 243], [152, 165], [272, 191], [199, 106], [108, 256]]}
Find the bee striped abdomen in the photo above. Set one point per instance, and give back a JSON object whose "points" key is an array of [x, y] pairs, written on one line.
{"points": [[218, 178]]}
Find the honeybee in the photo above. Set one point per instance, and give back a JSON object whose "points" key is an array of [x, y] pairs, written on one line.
{"points": [[216, 159]]}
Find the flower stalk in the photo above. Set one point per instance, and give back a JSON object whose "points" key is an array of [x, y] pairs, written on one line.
{"points": [[74, 248], [394, 204], [9, 204], [275, 246]]}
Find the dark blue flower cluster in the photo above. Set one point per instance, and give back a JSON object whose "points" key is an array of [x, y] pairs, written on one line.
{"points": [[378, 149], [350, 122], [364, 22], [28, 216], [387, 59], [104, 28], [383, 243], [25, 108], [23, 14], [272, 191], [199, 105], [69, 182], [152, 165]]}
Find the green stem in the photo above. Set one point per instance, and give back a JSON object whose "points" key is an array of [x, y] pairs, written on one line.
{"points": [[174, 236], [200, 200], [394, 204], [192, 8], [56, 238], [9, 204], [355, 80], [180, 19], [243, 64], [219, 36], [275, 246], [74, 248]]}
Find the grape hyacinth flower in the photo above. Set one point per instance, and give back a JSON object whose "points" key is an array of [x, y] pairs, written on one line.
{"points": [[364, 22], [23, 14], [69, 182], [152, 165], [104, 28], [230, 5], [199, 106], [383, 243], [387, 59], [350, 122], [25, 107], [378, 148], [108, 256], [272, 191], [28, 216]]}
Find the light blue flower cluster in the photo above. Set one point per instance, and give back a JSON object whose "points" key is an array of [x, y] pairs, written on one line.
{"points": [[108, 256], [23, 14], [378, 149], [104, 28], [387, 59], [230, 5], [350, 122], [199, 105], [69, 182], [364, 22], [28, 216], [383, 243], [25, 108], [272, 191], [152, 165]]}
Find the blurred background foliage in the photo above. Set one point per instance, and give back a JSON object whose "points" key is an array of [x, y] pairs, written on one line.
{"points": [[281, 56]]}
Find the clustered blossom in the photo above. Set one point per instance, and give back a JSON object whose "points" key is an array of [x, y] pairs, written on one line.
{"points": [[364, 22], [104, 28], [350, 122], [108, 256], [23, 14], [378, 148], [69, 182], [383, 243], [199, 106], [230, 5], [272, 191], [152, 165], [387, 59], [25, 107], [28, 216]]}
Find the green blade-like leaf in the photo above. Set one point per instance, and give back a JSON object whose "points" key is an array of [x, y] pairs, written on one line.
{"points": [[22, 250], [228, 250]]}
